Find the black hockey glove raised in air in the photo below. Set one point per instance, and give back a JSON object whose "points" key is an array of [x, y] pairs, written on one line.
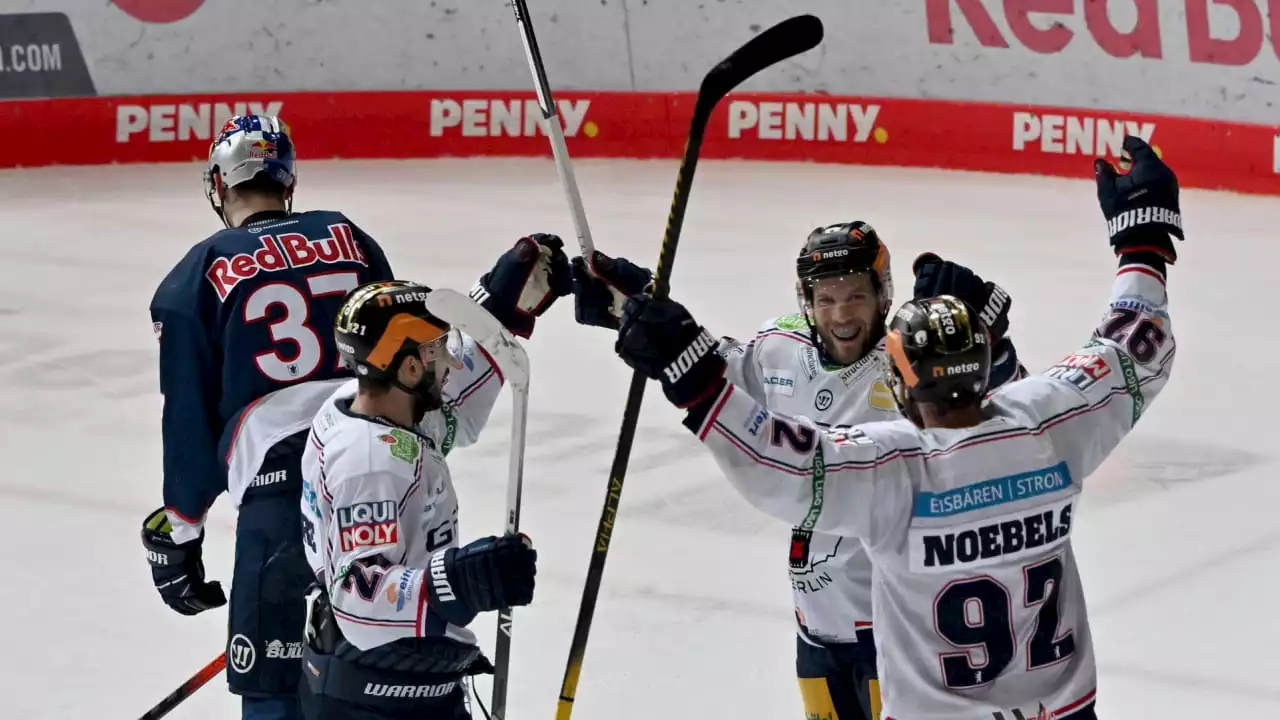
{"points": [[661, 340], [598, 296], [524, 282], [488, 574], [177, 569], [1141, 206], [935, 276]]}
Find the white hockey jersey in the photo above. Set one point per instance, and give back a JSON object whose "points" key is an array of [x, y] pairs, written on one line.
{"points": [[978, 602], [780, 368], [378, 499]]}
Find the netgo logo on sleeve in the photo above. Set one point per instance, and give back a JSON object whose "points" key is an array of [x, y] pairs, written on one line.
{"points": [[370, 524]]}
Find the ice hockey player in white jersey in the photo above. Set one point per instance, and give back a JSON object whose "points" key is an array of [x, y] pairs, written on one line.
{"points": [[827, 363], [387, 623], [966, 508]]}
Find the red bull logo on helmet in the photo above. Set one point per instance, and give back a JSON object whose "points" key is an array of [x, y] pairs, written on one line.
{"points": [[263, 149]]}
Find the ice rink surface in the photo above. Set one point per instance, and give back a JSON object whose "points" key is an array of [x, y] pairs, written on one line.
{"points": [[1178, 539]]}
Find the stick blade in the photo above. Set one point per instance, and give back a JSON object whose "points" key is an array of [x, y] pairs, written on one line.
{"points": [[480, 325], [786, 39]]}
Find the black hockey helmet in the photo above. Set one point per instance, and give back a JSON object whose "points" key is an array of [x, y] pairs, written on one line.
{"points": [[852, 247], [940, 352], [381, 323]]}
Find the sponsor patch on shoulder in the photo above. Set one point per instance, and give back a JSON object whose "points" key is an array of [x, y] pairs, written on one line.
{"points": [[791, 322], [1081, 370], [402, 444]]}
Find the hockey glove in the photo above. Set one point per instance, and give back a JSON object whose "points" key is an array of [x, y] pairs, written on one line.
{"points": [[524, 282], [660, 339], [1141, 206], [177, 569], [488, 574], [935, 276], [599, 292], [1005, 366]]}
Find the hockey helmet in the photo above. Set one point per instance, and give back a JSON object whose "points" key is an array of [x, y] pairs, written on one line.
{"points": [[939, 352], [246, 147], [382, 323], [846, 248]]}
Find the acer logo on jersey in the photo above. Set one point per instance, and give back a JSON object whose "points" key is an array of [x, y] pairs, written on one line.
{"points": [[368, 524], [286, 250], [997, 539]]}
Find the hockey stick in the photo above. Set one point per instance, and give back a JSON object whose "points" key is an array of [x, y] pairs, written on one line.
{"points": [[786, 39], [463, 313], [554, 131], [187, 689]]}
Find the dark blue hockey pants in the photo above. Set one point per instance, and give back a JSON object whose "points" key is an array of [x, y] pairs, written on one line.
{"points": [[267, 612]]}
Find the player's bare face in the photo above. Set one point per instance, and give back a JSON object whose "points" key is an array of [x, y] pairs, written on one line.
{"points": [[845, 309]]}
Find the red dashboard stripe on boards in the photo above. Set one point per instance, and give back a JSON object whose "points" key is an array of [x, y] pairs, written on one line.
{"points": [[751, 126]]}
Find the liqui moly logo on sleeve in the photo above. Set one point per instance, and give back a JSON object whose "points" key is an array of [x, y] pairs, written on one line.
{"points": [[369, 524], [286, 250]]}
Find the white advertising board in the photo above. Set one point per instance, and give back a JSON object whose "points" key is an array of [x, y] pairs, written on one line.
{"points": [[1201, 58]]}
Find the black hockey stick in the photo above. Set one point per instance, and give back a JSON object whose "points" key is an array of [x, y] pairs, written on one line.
{"points": [[187, 689], [786, 39]]}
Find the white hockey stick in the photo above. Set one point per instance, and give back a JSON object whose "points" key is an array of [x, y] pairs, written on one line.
{"points": [[554, 130], [463, 313]]}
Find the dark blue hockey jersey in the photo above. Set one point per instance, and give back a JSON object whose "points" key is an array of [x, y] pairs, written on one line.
{"points": [[247, 312]]}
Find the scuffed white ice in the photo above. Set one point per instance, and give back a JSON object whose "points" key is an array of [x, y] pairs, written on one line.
{"points": [[1178, 541]]}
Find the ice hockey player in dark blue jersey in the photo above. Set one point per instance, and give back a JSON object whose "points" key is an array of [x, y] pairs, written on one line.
{"points": [[247, 358], [248, 312]]}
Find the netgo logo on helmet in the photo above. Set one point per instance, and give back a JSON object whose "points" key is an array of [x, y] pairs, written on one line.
{"points": [[829, 254], [368, 525]]}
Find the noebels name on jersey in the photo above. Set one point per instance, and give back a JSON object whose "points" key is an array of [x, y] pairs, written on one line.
{"points": [[989, 540]]}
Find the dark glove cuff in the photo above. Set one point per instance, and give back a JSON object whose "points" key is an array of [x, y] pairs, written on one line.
{"points": [[701, 382], [1151, 239], [1141, 256], [701, 408]]}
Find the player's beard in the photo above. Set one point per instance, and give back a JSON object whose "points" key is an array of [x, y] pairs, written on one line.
{"points": [[427, 394]]}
